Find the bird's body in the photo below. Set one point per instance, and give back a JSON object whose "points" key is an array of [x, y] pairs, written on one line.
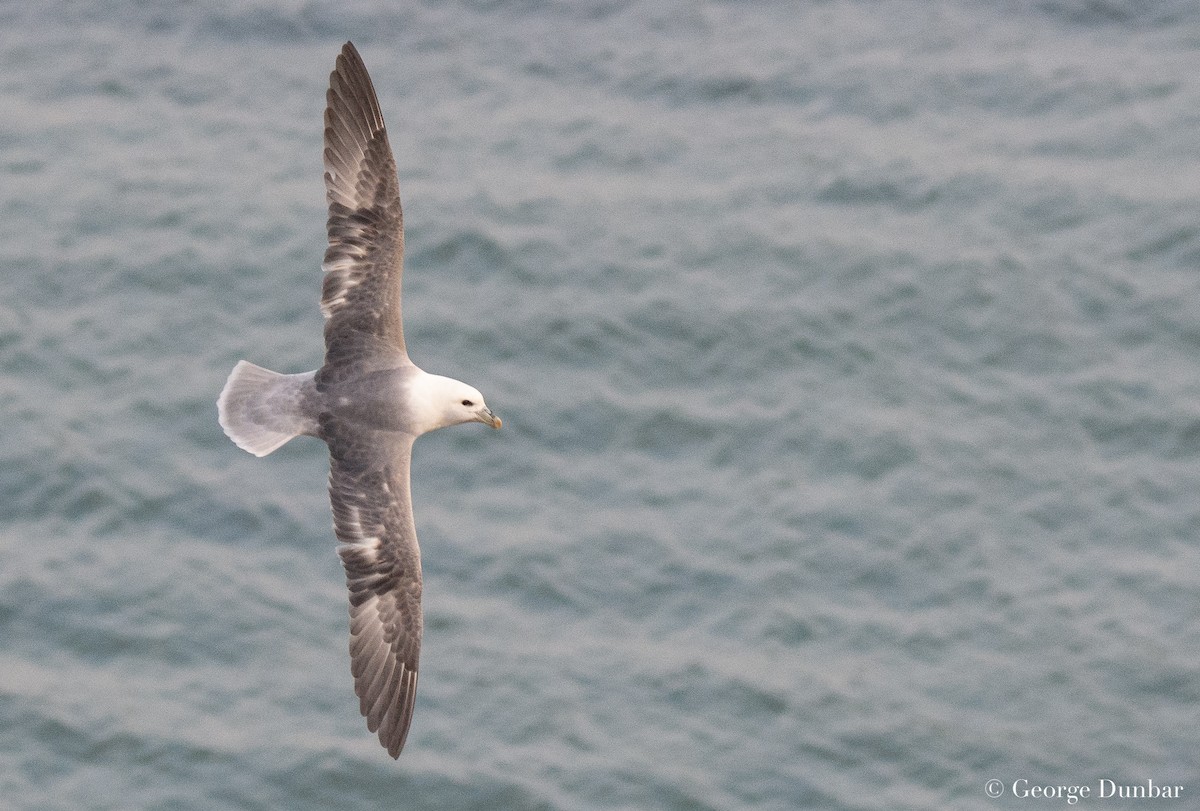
{"points": [[368, 402]]}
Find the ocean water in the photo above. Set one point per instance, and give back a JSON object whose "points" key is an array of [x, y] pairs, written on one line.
{"points": [[847, 355]]}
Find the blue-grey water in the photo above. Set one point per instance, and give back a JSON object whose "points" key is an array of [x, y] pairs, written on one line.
{"points": [[849, 360]]}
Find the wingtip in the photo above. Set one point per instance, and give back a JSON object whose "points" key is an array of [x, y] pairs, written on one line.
{"points": [[351, 52]]}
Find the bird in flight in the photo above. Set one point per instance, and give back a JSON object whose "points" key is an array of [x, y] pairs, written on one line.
{"points": [[368, 402]]}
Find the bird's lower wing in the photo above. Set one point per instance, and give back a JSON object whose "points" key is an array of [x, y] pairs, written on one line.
{"points": [[372, 517]]}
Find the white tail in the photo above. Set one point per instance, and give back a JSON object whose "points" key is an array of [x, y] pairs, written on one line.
{"points": [[261, 410]]}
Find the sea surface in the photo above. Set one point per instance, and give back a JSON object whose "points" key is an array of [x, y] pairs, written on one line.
{"points": [[849, 360]]}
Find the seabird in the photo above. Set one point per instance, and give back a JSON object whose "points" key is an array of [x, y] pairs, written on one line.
{"points": [[368, 402]]}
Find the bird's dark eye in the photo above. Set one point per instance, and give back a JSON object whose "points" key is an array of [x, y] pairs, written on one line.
{"points": [[468, 403]]}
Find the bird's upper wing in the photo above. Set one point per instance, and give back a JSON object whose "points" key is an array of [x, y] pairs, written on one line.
{"points": [[365, 259], [373, 520]]}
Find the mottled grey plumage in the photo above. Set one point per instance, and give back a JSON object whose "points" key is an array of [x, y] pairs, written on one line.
{"points": [[365, 258], [368, 402]]}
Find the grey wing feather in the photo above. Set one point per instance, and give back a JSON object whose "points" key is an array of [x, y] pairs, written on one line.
{"points": [[365, 259], [372, 518]]}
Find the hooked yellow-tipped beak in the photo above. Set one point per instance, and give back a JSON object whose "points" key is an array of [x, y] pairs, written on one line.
{"points": [[488, 418]]}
